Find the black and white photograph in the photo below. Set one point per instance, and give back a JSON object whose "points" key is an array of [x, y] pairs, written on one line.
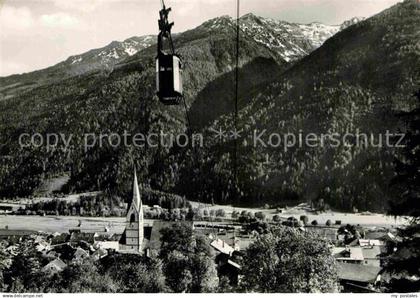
{"points": [[210, 146]]}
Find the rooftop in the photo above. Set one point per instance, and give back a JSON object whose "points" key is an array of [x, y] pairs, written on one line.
{"points": [[371, 252], [356, 272], [348, 253], [369, 242], [222, 246], [56, 264]]}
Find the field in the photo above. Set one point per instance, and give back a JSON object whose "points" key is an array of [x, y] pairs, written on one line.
{"points": [[116, 224], [62, 224], [363, 219], [26, 201]]}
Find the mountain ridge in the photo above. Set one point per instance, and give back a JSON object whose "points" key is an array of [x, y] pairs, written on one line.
{"points": [[290, 44]]}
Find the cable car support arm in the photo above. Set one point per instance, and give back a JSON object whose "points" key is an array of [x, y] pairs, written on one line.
{"points": [[165, 29]]}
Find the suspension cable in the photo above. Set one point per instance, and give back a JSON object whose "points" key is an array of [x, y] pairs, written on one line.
{"points": [[186, 108], [235, 153]]}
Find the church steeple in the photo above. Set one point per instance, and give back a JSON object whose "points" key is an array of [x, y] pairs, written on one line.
{"points": [[136, 193], [134, 230]]}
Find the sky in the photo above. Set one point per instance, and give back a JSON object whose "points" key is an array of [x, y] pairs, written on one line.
{"points": [[35, 34]]}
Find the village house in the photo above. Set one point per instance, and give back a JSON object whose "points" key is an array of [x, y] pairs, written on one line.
{"points": [[222, 246], [352, 255], [370, 242], [357, 278], [77, 237], [58, 238], [54, 266], [99, 254], [80, 255], [115, 245], [371, 255], [51, 254], [41, 244], [226, 266]]}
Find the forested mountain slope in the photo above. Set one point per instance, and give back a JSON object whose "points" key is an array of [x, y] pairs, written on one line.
{"points": [[110, 102], [355, 82]]}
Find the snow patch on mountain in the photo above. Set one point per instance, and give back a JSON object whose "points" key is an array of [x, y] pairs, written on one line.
{"points": [[351, 22], [290, 41], [110, 54], [76, 59]]}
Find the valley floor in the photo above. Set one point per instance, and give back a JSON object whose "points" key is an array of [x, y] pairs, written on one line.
{"points": [[363, 219], [116, 224]]}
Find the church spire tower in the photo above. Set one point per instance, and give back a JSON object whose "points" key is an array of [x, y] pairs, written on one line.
{"points": [[134, 230]]}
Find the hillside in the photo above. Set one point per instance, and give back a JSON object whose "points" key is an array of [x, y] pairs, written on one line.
{"points": [[103, 102], [356, 80]]}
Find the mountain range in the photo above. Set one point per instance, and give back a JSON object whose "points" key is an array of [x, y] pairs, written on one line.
{"points": [[292, 78], [288, 40]]}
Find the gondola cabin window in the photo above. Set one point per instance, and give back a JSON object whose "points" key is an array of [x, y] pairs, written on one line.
{"points": [[177, 70]]}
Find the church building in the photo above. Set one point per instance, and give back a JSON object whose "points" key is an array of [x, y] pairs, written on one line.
{"points": [[138, 237], [133, 236]]}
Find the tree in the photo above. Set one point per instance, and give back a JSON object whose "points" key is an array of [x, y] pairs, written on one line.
{"points": [[177, 272], [291, 222], [407, 181], [220, 213], [304, 219], [224, 285], [82, 278], [204, 273], [235, 214], [401, 265], [276, 218], [178, 237], [260, 216], [25, 271], [4, 260], [261, 227], [188, 260], [287, 260], [135, 274], [314, 222], [328, 223]]}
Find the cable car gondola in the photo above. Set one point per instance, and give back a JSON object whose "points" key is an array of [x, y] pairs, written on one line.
{"points": [[168, 65]]}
